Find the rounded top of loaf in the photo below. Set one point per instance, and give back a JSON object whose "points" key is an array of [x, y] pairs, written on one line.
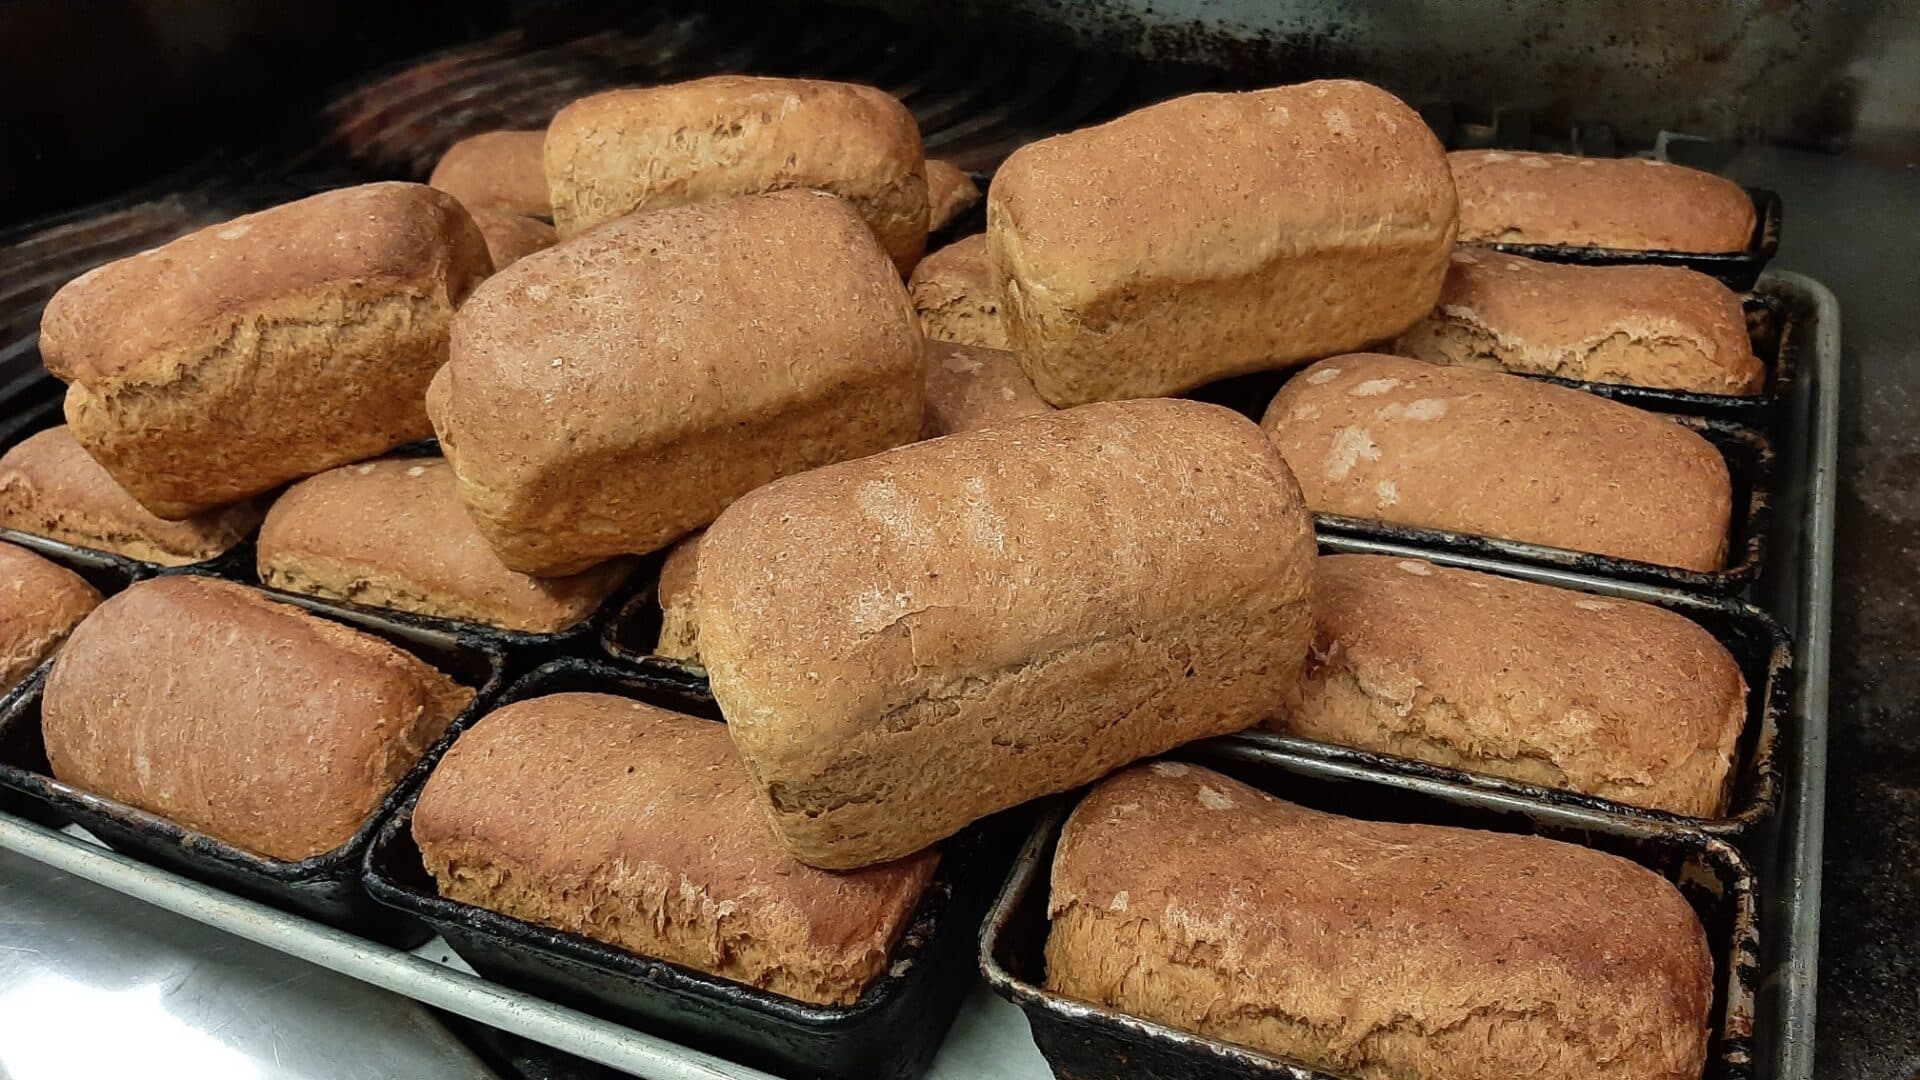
{"points": [[1636, 204], [496, 170], [40, 601], [511, 236], [949, 192], [962, 263], [679, 570]]}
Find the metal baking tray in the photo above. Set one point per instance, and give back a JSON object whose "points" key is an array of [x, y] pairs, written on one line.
{"points": [[891, 1032], [325, 887], [1756, 641], [631, 632], [1739, 269]]}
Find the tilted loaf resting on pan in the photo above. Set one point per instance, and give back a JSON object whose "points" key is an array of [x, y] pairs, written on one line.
{"points": [[1628, 203], [638, 827], [50, 486], [970, 388], [615, 392], [908, 643], [1217, 234], [954, 296], [511, 236], [949, 193], [1660, 326], [1565, 689], [394, 534], [679, 624], [249, 720], [1374, 950], [713, 138], [271, 347], [499, 171], [1402, 441], [40, 604]]}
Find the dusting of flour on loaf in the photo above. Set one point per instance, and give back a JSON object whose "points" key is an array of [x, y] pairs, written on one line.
{"points": [[234, 232], [1387, 492], [1421, 409], [1169, 768], [1215, 799], [417, 470], [1593, 605], [1323, 375], [1119, 901], [1306, 412], [1337, 122], [1373, 387], [1350, 446], [1417, 569], [538, 292]]}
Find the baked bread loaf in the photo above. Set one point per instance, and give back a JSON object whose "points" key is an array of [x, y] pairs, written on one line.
{"points": [[1217, 234], [906, 644], [635, 826], [510, 236], [713, 138], [1508, 197], [1564, 689], [283, 740], [1374, 950], [40, 604], [615, 392], [271, 347], [949, 193], [970, 388], [1398, 440], [679, 624], [1661, 326], [50, 487], [394, 534], [496, 170], [954, 296]]}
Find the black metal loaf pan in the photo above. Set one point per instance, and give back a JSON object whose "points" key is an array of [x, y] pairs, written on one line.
{"points": [[1739, 269], [1082, 1041], [325, 887], [892, 1031], [631, 632]]}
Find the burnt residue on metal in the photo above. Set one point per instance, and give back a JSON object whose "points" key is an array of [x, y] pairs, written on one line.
{"points": [[1739, 270], [890, 1033], [325, 887], [1092, 1042]]}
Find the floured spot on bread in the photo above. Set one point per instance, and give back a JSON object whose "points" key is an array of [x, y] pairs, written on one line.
{"points": [[1169, 768], [234, 232], [1418, 569], [1351, 445], [1338, 123], [1373, 387], [538, 292], [1593, 605], [1420, 409], [1119, 901], [1386, 491], [1215, 799], [1324, 375], [417, 470], [1306, 412]]}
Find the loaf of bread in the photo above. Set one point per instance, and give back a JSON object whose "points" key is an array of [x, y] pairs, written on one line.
{"points": [[616, 391], [1632, 204], [394, 534], [1374, 950], [271, 347], [1398, 440], [510, 236], [40, 604], [1661, 326], [969, 387], [905, 644], [679, 624], [954, 296], [643, 149], [1564, 689], [1218, 234], [949, 193], [500, 171], [50, 487], [638, 827], [252, 721]]}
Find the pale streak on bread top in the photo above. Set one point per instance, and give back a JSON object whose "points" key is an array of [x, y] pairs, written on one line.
{"points": [[1217, 234], [50, 487], [1662, 326], [500, 171], [1565, 689], [1375, 950], [267, 348], [1634, 204], [679, 624], [949, 193], [908, 643], [638, 827], [40, 604], [714, 138], [249, 720], [616, 391], [512, 236], [954, 296], [394, 534], [970, 388], [1392, 439]]}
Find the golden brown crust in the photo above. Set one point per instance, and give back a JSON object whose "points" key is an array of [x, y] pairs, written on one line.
{"points": [[1217, 234], [1661, 326], [949, 193], [708, 348], [713, 138], [1392, 439], [679, 624], [1627, 203], [50, 487], [499, 171], [512, 236], [1594, 694], [252, 721], [970, 388], [216, 367], [394, 534], [40, 604], [638, 827], [954, 296], [907, 643], [1376, 950]]}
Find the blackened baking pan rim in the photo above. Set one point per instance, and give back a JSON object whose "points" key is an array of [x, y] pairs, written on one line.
{"points": [[1737, 269]]}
